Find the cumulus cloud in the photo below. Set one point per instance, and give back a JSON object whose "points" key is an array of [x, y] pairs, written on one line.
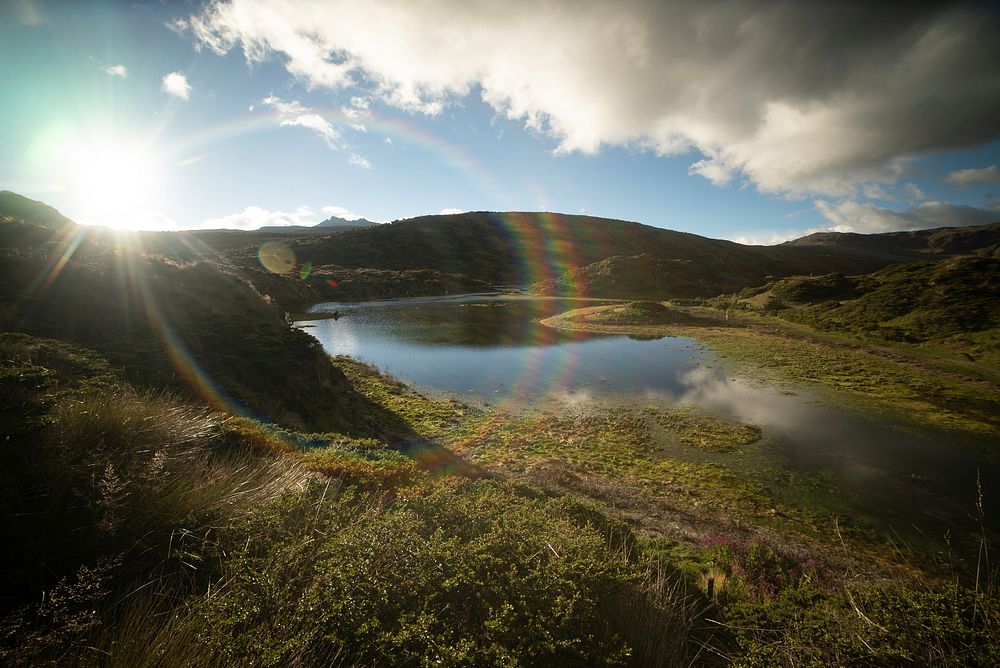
{"points": [[970, 177], [176, 84], [254, 217], [356, 113], [793, 97], [851, 216], [449, 211], [772, 237], [293, 113], [914, 192], [119, 71], [359, 161], [340, 212]]}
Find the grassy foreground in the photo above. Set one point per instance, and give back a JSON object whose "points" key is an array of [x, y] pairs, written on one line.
{"points": [[164, 533]]}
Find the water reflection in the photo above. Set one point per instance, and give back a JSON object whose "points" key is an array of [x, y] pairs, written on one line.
{"points": [[493, 348], [480, 321], [906, 475]]}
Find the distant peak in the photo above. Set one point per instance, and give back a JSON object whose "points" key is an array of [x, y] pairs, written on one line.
{"points": [[336, 221]]}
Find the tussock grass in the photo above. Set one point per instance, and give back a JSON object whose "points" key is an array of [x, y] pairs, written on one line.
{"points": [[137, 455], [164, 534]]}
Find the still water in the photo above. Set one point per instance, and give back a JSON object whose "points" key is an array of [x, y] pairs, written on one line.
{"points": [[490, 348]]}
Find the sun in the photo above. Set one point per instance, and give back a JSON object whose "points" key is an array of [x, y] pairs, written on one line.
{"points": [[112, 182]]}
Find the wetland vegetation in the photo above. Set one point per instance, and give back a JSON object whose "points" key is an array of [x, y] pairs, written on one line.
{"points": [[630, 483]]}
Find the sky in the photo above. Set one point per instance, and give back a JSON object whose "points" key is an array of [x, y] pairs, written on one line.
{"points": [[751, 121]]}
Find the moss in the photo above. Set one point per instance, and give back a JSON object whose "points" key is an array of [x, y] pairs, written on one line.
{"points": [[705, 431], [594, 453]]}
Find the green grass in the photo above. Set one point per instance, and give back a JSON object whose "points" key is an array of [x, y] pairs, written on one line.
{"points": [[364, 523], [175, 535], [890, 380]]}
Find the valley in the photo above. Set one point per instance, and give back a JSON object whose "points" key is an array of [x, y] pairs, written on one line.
{"points": [[683, 450]]}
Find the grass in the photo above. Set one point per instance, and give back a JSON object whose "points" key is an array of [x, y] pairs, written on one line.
{"points": [[264, 546], [185, 537], [368, 524], [890, 380]]}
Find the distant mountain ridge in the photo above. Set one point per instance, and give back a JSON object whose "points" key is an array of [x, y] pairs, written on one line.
{"points": [[983, 240], [558, 253], [570, 254], [337, 222]]}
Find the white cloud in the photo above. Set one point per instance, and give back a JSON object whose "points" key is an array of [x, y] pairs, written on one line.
{"points": [[254, 217], [450, 211], [358, 109], [772, 237], [340, 212], [851, 216], [969, 177], [359, 161], [293, 113], [795, 98], [119, 71], [914, 192], [875, 191], [176, 84]]}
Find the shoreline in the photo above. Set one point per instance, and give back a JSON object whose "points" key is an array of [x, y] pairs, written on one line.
{"points": [[873, 379]]}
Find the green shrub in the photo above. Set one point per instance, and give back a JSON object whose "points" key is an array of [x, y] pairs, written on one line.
{"points": [[872, 625], [473, 575]]}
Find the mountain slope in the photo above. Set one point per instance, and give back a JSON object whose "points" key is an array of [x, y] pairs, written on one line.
{"points": [[979, 239], [189, 325], [539, 248], [922, 301]]}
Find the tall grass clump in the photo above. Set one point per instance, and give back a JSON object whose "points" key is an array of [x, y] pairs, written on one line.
{"points": [[138, 460], [103, 500]]}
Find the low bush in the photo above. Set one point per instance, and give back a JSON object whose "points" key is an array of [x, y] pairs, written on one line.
{"points": [[471, 573]]}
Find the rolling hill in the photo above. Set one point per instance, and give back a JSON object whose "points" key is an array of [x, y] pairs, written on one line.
{"points": [[917, 302], [189, 326], [556, 253], [570, 254]]}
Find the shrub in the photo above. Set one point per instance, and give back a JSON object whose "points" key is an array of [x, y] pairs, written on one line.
{"points": [[872, 624], [477, 574], [757, 568]]}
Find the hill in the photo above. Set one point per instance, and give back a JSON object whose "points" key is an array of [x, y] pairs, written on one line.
{"points": [[556, 253], [668, 267], [979, 240], [916, 303], [188, 325], [540, 248]]}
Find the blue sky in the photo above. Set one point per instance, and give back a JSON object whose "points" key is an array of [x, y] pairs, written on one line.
{"points": [[246, 112]]}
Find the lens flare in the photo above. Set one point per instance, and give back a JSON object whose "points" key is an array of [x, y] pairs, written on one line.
{"points": [[277, 257]]}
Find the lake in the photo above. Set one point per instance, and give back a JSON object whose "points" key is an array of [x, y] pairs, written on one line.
{"points": [[491, 348]]}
